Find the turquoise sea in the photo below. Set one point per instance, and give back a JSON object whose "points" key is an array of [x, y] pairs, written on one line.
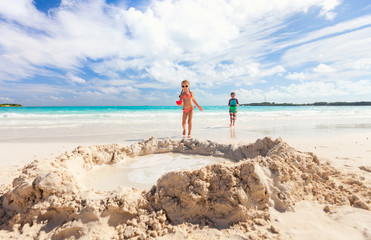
{"points": [[18, 111], [51, 115]]}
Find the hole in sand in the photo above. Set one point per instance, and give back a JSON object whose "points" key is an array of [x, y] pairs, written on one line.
{"points": [[143, 171]]}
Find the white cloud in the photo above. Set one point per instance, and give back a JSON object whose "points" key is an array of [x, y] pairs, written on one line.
{"points": [[194, 26], [323, 68], [275, 70], [330, 31], [6, 99], [346, 57], [116, 90], [172, 31], [363, 63], [31, 93], [327, 7], [297, 76], [158, 98], [362, 87], [113, 67], [310, 91], [57, 99], [251, 95], [119, 82], [23, 12], [205, 97], [72, 77], [354, 45], [253, 69], [171, 73], [239, 73]]}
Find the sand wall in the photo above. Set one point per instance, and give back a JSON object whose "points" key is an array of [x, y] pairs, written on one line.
{"points": [[48, 202]]}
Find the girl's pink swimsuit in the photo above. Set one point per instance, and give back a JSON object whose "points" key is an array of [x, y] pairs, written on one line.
{"points": [[189, 95]]}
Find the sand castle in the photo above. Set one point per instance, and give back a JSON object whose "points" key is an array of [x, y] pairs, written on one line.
{"points": [[47, 201]]}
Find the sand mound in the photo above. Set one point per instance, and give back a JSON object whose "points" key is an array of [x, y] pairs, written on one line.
{"points": [[47, 200], [365, 168]]}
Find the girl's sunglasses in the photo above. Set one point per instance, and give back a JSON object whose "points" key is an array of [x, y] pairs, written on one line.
{"points": [[184, 86]]}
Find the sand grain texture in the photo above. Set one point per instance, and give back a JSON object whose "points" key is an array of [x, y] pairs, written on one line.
{"points": [[221, 200]]}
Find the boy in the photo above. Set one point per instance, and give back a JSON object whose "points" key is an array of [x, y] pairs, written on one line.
{"points": [[233, 103]]}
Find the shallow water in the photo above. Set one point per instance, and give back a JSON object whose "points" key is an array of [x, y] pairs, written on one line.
{"points": [[142, 172], [101, 125]]}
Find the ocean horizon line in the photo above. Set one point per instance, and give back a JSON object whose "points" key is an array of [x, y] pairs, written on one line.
{"points": [[261, 104]]}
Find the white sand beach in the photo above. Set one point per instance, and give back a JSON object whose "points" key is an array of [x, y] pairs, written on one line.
{"points": [[262, 189]]}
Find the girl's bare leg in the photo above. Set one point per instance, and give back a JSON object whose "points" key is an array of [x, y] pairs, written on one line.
{"points": [[190, 115], [184, 123]]}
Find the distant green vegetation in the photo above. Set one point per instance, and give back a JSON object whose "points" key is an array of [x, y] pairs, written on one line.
{"points": [[10, 105], [309, 104]]}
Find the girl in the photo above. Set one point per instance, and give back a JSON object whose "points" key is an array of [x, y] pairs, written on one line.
{"points": [[187, 97]]}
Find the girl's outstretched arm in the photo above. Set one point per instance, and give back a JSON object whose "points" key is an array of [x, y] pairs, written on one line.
{"points": [[194, 100]]}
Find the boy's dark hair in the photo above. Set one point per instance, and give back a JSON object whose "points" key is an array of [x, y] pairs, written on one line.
{"points": [[233, 93]]}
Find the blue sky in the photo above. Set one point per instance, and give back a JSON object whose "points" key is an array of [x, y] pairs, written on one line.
{"points": [[97, 52]]}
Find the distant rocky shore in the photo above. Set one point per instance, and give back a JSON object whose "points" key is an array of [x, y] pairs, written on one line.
{"points": [[310, 104]]}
